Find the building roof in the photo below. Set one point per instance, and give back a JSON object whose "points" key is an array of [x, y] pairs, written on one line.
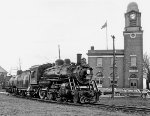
{"points": [[2, 70], [104, 52]]}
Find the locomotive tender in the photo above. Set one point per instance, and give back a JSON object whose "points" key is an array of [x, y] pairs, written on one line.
{"points": [[65, 81]]}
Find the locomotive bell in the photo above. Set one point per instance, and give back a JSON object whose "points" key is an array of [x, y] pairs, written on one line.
{"points": [[79, 59]]}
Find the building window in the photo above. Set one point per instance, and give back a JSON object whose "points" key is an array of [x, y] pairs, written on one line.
{"points": [[99, 62], [99, 78], [2, 74], [131, 84], [116, 75], [133, 76], [97, 81], [115, 82], [32, 74], [101, 81], [99, 74], [135, 84], [133, 61]]}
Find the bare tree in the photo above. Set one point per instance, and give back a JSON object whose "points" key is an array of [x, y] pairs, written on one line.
{"points": [[146, 68]]}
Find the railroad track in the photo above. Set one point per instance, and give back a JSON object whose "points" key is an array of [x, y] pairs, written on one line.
{"points": [[95, 105], [123, 108]]}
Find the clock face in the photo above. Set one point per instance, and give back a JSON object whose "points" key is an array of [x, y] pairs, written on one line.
{"points": [[133, 16], [133, 35]]}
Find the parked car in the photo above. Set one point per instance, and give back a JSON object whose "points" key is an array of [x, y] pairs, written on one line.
{"points": [[123, 92], [118, 91], [102, 89], [145, 92], [107, 91], [131, 92]]}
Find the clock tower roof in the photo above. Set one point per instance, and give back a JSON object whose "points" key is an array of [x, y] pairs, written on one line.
{"points": [[132, 6]]}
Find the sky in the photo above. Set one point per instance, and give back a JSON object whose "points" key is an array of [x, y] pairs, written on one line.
{"points": [[31, 30]]}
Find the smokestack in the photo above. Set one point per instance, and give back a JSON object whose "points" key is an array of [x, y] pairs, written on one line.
{"points": [[92, 47], [79, 58]]}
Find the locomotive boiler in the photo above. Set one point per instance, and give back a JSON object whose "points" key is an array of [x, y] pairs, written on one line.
{"points": [[64, 81]]}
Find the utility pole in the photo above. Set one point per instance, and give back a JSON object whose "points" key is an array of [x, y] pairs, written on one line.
{"points": [[113, 37]]}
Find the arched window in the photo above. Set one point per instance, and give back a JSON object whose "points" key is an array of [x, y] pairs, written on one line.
{"points": [[99, 74], [111, 75], [133, 76]]}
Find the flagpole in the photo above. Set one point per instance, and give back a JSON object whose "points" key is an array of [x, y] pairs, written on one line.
{"points": [[106, 37], [59, 50]]}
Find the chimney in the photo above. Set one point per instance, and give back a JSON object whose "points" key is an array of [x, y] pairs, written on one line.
{"points": [[79, 58], [92, 47]]}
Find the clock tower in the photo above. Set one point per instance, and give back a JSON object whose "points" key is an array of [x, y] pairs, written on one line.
{"points": [[133, 48]]}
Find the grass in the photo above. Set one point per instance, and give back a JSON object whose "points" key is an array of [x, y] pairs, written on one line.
{"points": [[126, 101]]}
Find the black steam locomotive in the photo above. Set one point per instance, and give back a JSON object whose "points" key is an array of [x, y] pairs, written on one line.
{"points": [[65, 81]]}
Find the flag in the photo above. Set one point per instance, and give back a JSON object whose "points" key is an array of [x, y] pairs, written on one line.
{"points": [[105, 25]]}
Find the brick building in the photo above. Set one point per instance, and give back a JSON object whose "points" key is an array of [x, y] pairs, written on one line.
{"points": [[128, 68], [3, 74]]}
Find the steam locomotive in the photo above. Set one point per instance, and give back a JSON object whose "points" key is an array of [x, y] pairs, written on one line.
{"points": [[64, 81]]}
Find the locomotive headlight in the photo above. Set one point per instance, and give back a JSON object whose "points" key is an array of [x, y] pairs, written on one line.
{"points": [[88, 72]]}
